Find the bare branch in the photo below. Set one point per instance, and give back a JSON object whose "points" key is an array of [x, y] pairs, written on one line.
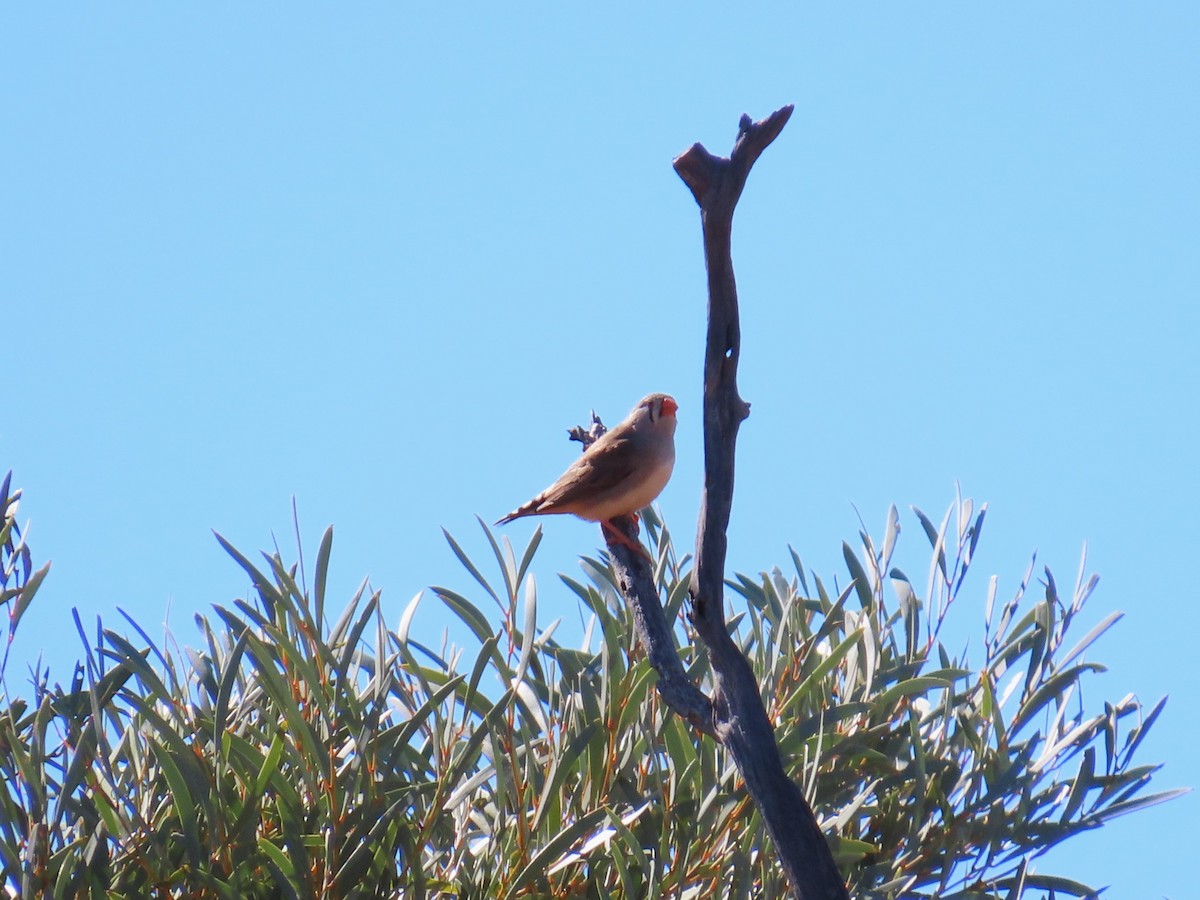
{"points": [[636, 582], [739, 716], [735, 715]]}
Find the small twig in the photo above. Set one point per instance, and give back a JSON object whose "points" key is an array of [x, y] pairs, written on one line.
{"points": [[591, 434]]}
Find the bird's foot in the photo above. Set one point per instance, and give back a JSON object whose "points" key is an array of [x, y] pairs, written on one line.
{"points": [[621, 538]]}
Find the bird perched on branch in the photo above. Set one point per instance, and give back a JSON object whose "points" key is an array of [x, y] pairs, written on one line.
{"points": [[622, 472]]}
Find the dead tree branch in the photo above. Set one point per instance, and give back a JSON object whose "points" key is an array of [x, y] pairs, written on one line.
{"points": [[735, 715], [636, 582]]}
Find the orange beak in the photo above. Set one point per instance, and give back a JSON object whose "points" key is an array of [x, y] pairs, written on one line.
{"points": [[669, 406]]}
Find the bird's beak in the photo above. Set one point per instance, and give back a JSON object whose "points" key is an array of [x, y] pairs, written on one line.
{"points": [[669, 406]]}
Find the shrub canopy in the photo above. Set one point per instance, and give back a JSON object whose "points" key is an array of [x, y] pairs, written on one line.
{"points": [[311, 752]]}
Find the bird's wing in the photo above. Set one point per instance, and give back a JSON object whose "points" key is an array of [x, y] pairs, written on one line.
{"points": [[585, 479]]}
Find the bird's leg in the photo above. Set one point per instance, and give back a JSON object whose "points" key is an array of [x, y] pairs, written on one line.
{"points": [[620, 537]]}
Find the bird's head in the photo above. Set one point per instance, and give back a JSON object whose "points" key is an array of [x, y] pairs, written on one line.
{"points": [[655, 411]]}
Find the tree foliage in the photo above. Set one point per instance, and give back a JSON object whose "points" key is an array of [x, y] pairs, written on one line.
{"points": [[305, 751]]}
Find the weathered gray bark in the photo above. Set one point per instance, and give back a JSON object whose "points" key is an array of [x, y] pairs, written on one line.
{"points": [[735, 715]]}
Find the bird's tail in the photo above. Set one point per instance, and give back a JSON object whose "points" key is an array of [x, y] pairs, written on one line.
{"points": [[528, 509]]}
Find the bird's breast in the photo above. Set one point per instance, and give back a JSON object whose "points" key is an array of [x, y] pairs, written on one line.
{"points": [[637, 491]]}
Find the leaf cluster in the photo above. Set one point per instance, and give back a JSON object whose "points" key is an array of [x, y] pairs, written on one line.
{"points": [[299, 752]]}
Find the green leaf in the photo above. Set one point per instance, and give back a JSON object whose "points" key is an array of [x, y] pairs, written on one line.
{"points": [[1051, 689], [285, 872], [25, 597], [862, 584], [229, 677], [535, 541], [266, 590], [467, 611], [1125, 807], [936, 540], [529, 633], [322, 572], [470, 566], [909, 688], [558, 845], [1083, 781], [824, 667], [1139, 733], [560, 769]]}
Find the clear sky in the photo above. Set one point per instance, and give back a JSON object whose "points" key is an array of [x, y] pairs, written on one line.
{"points": [[379, 258]]}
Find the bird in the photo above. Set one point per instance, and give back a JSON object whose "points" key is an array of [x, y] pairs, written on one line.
{"points": [[619, 474]]}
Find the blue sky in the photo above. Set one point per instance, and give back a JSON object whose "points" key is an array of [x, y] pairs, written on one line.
{"points": [[379, 259]]}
